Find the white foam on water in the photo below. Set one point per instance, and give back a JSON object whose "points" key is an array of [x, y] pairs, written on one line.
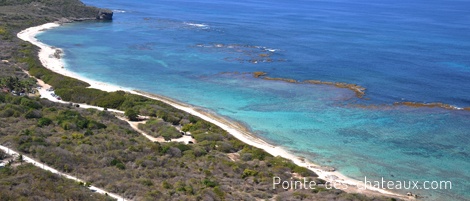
{"points": [[197, 25]]}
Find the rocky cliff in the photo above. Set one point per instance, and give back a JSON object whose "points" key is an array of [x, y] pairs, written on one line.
{"points": [[27, 13], [105, 14]]}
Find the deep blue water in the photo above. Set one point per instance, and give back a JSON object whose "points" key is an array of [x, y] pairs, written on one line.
{"points": [[399, 50]]}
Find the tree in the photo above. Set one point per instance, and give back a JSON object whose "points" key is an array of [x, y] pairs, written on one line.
{"points": [[3, 155], [44, 122], [131, 114], [20, 158]]}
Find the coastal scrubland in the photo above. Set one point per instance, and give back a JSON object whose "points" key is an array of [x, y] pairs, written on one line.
{"points": [[27, 182], [17, 14], [105, 151]]}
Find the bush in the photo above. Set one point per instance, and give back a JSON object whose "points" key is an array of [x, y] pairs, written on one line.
{"points": [[95, 125], [169, 132], [2, 97], [208, 183], [79, 94], [249, 173], [7, 113], [3, 155], [159, 128], [131, 114], [281, 162], [219, 192], [256, 153], [111, 100], [56, 80], [305, 172], [225, 147], [44, 122], [183, 147], [32, 114], [118, 164], [166, 185], [147, 182], [30, 103]]}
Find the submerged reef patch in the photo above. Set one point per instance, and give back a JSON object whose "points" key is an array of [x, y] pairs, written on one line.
{"points": [[360, 93], [407, 104], [430, 105], [358, 90], [244, 53], [144, 46]]}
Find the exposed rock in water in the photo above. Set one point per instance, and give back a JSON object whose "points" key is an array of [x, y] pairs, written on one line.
{"points": [[258, 74], [105, 14], [57, 53]]}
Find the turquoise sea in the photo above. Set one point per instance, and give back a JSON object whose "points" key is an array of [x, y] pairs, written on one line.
{"points": [[412, 50]]}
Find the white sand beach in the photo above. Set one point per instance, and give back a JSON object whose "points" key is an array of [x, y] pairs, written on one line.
{"points": [[55, 64], [48, 60]]}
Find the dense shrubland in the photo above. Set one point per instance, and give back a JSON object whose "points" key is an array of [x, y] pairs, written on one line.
{"points": [[27, 182], [17, 14], [16, 84], [160, 128], [106, 152]]}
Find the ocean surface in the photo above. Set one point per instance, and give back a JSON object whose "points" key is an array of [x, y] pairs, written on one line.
{"points": [[399, 50]]}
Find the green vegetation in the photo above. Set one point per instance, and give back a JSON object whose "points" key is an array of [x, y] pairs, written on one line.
{"points": [[18, 14], [131, 114], [27, 182], [105, 151], [160, 128], [121, 100], [18, 85], [5, 33]]}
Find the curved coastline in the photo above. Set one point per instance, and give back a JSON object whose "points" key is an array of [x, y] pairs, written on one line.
{"points": [[56, 64]]}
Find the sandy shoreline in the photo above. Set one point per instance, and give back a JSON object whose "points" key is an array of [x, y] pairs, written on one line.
{"points": [[47, 58]]}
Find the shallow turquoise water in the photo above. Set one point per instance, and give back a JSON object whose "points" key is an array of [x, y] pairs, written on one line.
{"points": [[398, 50]]}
